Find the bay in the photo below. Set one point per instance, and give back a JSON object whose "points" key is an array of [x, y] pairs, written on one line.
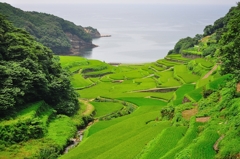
{"points": [[139, 32]]}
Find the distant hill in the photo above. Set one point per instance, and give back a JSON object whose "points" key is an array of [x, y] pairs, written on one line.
{"points": [[62, 36], [206, 43]]}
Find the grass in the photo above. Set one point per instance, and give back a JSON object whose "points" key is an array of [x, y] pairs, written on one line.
{"points": [[28, 112], [60, 130], [105, 108]]}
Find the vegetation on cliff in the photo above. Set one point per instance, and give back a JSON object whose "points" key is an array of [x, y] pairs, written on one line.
{"points": [[50, 30]]}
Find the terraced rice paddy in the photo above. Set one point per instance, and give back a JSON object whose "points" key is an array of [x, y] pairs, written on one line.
{"points": [[151, 87]]}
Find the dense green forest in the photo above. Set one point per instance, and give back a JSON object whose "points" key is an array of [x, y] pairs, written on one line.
{"points": [[29, 73], [48, 29], [185, 106]]}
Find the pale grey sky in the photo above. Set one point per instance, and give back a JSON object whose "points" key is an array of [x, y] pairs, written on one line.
{"points": [[222, 2]]}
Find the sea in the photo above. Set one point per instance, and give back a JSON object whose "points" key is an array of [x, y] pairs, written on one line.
{"points": [[140, 33]]}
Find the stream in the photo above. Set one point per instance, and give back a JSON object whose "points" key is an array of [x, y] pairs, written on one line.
{"points": [[77, 139], [74, 141]]}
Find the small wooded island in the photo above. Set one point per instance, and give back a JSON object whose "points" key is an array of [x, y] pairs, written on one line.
{"points": [[183, 106]]}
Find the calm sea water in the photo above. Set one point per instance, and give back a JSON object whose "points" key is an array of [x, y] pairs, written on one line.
{"points": [[140, 33]]}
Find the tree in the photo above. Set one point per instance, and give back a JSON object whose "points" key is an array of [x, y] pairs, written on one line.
{"points": [[230, 42]]}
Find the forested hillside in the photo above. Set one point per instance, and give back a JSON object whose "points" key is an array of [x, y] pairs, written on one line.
{"points": [[62, 36]]}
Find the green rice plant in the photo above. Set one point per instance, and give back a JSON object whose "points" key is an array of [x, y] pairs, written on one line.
{"points": [[208, 64], [144, 101], [105, 124], [70, 61], [186, 140], [216, 84], [204, 82], [145, 82], [93, 68], [78, 81], [196, 94], [98, 73], [177, 57], [172, 82], [203, 148], [116, 133], [105, 108], [164, 96], [167, 63], [194, 52], [163, 143], [124, 68], [106, 79], [156, 67], [142, 136], [181, 72], [129, 75], [95, 79], [165, 76], [111, 142], [181, 92], [196, 68]]}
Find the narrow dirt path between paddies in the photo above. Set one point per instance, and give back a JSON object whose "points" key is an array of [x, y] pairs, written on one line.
{"points": [[164, 90], [80, 71], [210, 72], [151, 75], [90, 107], [238, 87], [202, 119], [154, 69], [215, 146]]}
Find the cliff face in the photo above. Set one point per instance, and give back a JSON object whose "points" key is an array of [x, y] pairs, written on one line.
{"points": [[94, 33], [77, 44]]}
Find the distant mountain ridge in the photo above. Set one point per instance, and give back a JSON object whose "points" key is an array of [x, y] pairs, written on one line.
{"points": [[62, 36]]}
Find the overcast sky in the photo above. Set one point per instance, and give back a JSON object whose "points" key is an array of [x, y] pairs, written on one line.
{"points": [[222, 2]]}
